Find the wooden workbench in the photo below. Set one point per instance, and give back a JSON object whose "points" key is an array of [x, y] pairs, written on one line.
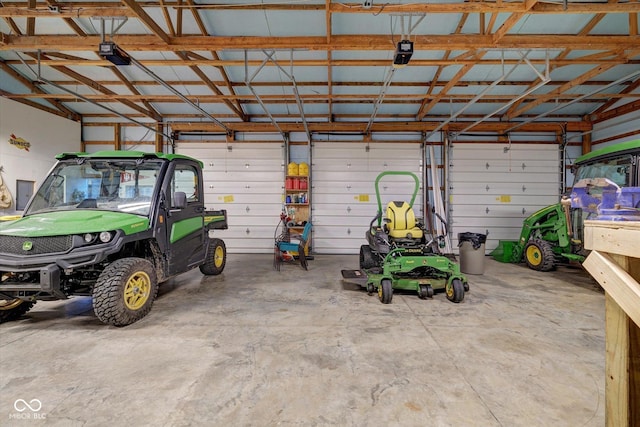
{"points": [[615, 263]]}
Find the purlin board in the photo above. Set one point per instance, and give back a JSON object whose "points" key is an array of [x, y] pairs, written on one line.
{"points": [[344, 200], [246, 179], [494, 187]]}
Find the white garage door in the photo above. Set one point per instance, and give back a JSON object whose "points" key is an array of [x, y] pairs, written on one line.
{"points": [[247, 181], [344, 200], [493, 188]]}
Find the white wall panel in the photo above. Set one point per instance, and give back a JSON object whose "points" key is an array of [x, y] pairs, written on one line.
{"points": [[343, 183], [47, 134], [247, 181], [494, 187]]}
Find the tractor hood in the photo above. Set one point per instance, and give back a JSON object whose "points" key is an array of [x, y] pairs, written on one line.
{"points": [[73, 222]]}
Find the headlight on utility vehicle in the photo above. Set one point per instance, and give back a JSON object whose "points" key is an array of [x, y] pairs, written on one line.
{"points": [[94, 238]]}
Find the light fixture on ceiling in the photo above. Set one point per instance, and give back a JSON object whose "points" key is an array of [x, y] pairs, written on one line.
{"points": [[112, 53], [403, 53]]}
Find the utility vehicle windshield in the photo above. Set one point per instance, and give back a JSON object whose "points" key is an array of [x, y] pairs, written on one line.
{"points": [[121, 185], [616, 169]]}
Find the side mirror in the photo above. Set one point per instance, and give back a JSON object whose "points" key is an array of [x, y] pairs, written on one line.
{"points": [[180, 200]]}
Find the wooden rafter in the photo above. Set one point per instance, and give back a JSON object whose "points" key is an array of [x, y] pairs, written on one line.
{"points": [[134, 90], [92, 84], [203, 30], [62, 110], [146, 20], [203, 76], [89, 8], [338, 42], [424, 109], [583, 32], [559, 92]]}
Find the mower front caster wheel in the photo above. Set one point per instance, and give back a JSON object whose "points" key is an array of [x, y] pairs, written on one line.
{"points": [[370, 289], [455, 290], [385, 291], [426, 291]]}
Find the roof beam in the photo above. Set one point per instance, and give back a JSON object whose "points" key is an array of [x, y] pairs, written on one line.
{"points": [[135, 91], [424, 109], [62, 110], [207, 81], [146, 19], [356, 127], [197, 60], [92, 84], [108, 9], [132, 43], [512, 20], [559, 92]]}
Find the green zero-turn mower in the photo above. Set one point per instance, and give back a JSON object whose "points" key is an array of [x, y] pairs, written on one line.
{"points": [[401, 255]]}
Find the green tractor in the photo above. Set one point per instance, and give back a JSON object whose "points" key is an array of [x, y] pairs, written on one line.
{"points": [[399, 255], [554, 234]]}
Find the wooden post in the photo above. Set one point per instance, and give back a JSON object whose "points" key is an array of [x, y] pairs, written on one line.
{"points": [[615, 263], [117, 136], [159, 148]]}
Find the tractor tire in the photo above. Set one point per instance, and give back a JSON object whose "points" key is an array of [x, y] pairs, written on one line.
{"points": [[538, 254], [367, 260], [13, 309], [125, 291], [455, 291], [385, 291], [216, 258]]}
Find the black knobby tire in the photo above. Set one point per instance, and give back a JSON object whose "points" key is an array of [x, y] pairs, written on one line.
{"points": [[125, 291], [426, 291], [538, 254], [216, 258], [367, 260], [385, 291], [455, 291], [13, 309]]}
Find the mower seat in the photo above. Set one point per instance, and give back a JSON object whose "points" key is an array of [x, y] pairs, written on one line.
{"points": [[401, 222]]}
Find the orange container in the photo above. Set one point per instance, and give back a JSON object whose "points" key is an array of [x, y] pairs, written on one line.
{"points": [[303, 184], [288, 184], [296, 183]]}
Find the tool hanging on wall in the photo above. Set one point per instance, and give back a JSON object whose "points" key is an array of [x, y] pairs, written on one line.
{"points": [[5, 196]]}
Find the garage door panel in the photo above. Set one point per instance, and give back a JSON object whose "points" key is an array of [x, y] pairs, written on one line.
{"points": [[346, 221], [247, 187], [497, 152], [504, 188], [344, 178], [489, 177], [246, 181], [240, 177], [252, 199], [351, 199], [481, 212], [505, 166], [496, 199], [506, 200]]}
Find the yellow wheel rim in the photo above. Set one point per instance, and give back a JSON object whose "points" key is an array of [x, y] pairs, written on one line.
{"points": [[380, 291], [10, 304], [137, 290], [533, 255], [449, 290], [218, 256]]}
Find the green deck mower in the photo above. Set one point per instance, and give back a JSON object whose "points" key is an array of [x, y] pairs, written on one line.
{"points": [[401, 255]]}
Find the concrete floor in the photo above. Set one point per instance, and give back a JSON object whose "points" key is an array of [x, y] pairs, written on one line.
{"points": [[256, 347]]}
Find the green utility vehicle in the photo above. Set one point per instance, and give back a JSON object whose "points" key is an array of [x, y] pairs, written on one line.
{"points": [[554, 234], [111, 225], [400, 254]]}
